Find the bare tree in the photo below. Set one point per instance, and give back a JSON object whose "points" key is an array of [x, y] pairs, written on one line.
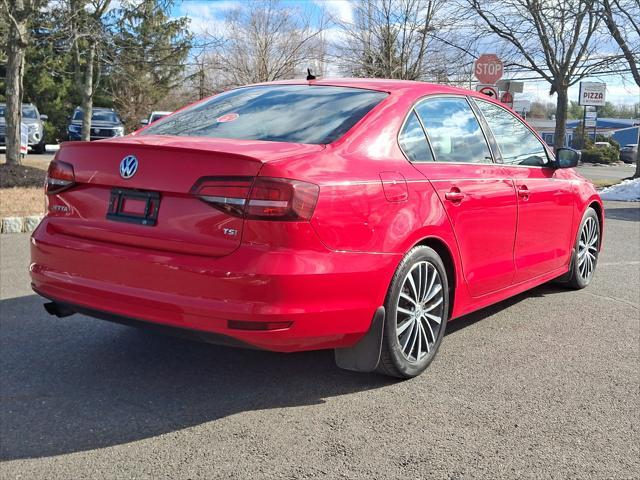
{"points": [[264, 41], [87, 34], [559, 40], [622, 18], [394, 39], [17, 13]]}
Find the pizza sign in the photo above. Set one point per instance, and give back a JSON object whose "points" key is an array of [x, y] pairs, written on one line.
{"points": [[592, 94]]}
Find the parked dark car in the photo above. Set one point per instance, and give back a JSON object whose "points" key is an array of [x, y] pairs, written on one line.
{"points": [[32, 118], [629, 153], [105, 123]]}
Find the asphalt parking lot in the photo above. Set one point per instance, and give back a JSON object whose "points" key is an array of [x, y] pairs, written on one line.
{"points": [[546, 385]]}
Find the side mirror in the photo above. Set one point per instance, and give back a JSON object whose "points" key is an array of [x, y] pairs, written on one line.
{"points": [[144, 121], [44, 117], [567, 158]]}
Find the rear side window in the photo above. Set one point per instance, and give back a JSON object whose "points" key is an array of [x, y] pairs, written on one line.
{"points": [[413, 140], [277, 113], [518, 145], [453, 130]]}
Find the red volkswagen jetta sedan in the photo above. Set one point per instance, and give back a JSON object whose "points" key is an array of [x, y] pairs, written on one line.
{"points": [[356, 215]]}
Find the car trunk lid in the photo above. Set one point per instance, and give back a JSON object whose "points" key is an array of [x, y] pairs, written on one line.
{"points": [[167, 170]]}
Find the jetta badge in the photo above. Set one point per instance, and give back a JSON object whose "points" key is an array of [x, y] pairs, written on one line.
{"points": [[128, 166]]}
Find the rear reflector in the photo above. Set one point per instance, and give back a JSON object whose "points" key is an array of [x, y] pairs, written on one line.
{"points": [[60, 176], [261, 198], [242, 325]]}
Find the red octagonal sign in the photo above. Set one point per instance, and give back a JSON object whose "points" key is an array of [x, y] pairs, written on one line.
{"points": [[488, 68]]}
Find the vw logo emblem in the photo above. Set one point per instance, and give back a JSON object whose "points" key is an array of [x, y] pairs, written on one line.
{"points": [[128, 166]]}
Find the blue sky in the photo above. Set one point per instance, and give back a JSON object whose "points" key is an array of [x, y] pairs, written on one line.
{"points": [[208, 14]]}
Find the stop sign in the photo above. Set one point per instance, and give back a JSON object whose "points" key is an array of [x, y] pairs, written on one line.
{"points": [[488, 68]]}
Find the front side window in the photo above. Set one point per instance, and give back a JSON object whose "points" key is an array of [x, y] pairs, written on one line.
{"points": [[453, 130], [518, 145], [277, 113], [413, 140]]}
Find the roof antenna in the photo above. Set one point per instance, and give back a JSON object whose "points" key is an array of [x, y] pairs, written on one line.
{"points": [[310, 76]]}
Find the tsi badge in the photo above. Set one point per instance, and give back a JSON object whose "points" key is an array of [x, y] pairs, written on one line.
{"points": [[232, 232], [128, 166]]}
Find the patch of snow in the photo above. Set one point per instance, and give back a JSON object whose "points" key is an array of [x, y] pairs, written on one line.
{"points": [[626, 191]]}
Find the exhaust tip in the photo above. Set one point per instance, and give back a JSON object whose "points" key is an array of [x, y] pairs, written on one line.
{"points": [[58, 310]]}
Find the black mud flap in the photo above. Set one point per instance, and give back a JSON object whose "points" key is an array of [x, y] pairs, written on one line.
{"points": [[364, 355]]}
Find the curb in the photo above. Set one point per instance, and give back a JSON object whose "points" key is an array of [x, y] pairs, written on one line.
{"points": [[19, 224]]}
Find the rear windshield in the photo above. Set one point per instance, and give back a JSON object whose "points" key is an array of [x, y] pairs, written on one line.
{"points": [[282, 113]]}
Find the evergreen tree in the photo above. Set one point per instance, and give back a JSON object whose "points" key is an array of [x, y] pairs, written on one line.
{"points": [[150, 50]]}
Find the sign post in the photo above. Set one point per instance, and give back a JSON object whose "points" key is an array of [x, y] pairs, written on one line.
{"points": [[488, 68], [489, 90], [24, 139], [592, 94], [507, 98]]}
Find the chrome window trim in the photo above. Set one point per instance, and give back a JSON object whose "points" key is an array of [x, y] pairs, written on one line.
{"points": [[427, 97], [550, 160]]}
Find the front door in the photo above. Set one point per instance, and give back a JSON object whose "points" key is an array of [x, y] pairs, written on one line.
{"points": [[545, 199], [478, 196]]}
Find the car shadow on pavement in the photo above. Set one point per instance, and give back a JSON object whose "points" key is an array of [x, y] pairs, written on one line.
{"points": [[630, 214], [472, 318], [78, 383]]}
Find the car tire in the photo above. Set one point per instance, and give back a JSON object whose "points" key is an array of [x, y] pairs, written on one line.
{"points": [[40, 148], [417, 309], [585, 253]]}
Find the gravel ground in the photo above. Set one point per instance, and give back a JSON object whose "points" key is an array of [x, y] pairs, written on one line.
{"points": [[545, 385]]}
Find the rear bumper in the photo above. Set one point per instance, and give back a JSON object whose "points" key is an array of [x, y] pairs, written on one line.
{"points": [[329, 296]]}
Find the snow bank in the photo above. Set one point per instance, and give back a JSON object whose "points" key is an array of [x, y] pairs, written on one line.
{"points": [[627, 191]]}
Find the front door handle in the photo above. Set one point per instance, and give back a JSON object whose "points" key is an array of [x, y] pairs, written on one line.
{"points": [[523, 191], [454, 195]]}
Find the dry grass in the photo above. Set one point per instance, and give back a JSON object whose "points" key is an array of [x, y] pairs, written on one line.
{"points": [[21, 201], [602, 183], [37, 161]]}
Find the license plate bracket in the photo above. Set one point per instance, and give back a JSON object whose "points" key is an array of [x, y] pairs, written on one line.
{"points": [[149, 215]]}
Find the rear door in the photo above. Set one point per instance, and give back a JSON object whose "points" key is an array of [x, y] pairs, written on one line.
{"points": [[545, 198], [477, 195]]}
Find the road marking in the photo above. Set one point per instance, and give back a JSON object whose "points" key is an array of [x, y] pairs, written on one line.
{"points": [[608, 264], [615, 299]]}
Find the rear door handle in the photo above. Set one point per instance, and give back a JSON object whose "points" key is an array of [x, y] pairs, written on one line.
{"points": [[523, 191], [455, 195]]}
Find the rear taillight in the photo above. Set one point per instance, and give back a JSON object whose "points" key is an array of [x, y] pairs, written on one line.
{"points": [[228, 194], [60, 176], [281, 199], [261, 198]]}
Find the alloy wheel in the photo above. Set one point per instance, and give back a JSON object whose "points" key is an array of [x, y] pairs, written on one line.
{"points": [[588, 249], [419, 311]]}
